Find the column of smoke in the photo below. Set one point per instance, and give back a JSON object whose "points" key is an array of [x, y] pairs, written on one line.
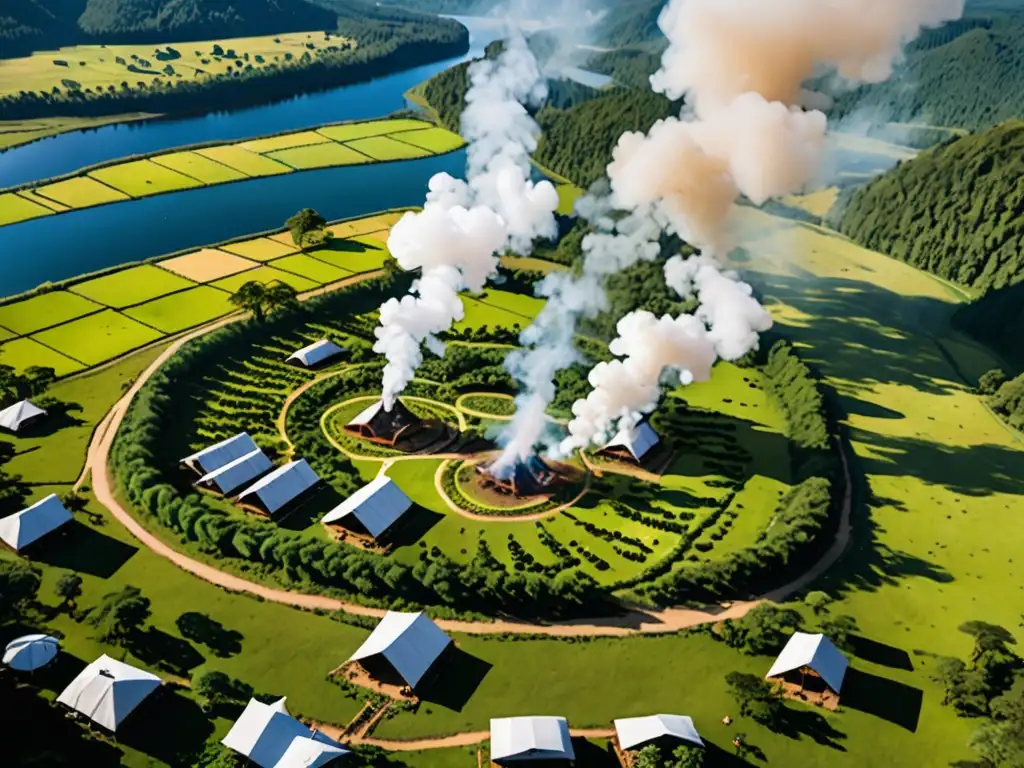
{"points": [[749, 129], [465, 225]]}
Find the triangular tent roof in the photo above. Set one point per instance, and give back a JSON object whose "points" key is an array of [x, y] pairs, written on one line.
{"points": [[270, 737], [282, 485], [634, 732], [316, 352], [237, 472], [410, 642], [31, 524], [638, 440], [107, 691], [382, 422], [376, 505], [531, 738], [219, 454], [14, 416], [816, 652], [31, 652]]}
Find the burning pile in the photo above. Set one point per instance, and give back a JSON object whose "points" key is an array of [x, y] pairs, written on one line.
{"points": [[529, 477]]}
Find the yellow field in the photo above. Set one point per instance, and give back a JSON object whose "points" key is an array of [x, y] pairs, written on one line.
{"points": [[81, 192], [14, 132], [198, 167], [14, 209], [207, 264], [289, 140], [817, 203], [92, 66], [143, 177], [53, 205], [387, 148], [367, 225], [261, 249], [319, 156], [350, 131], [248, 163]]}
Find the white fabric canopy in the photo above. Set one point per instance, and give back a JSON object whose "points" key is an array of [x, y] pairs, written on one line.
{"points": [[531, 738], [635, 732], [365, 415], [31, 652], [377, 506], [238, 472], [107, 691], [638, 441], [816, 652], [32, 523], [410, 642], [270, 737], [217, 455], [13, 417], [282, 485], [316, 353]]}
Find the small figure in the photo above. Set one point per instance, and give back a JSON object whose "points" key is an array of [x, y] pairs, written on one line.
{"points": [[727, 720]]}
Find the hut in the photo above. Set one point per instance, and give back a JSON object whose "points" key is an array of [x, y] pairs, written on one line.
{"points": [[107, 691], [810, 666], [23, 528], [403, 647], [631, 443], [21, 415], [535, 739], [664, 731], [236, 473], [275, 491], [267, 735], [315, 353], [531, 477], [217, 455], [373, 508], [382, 426]]}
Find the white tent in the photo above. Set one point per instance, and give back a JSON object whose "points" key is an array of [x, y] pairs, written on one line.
{"points": [[815, 652], [635, 732], [107, 691], [410, 642], [530, 738], [377, 506], [315, 353], [281, 486], [31, 652], [638, 441], [238, 472], [365, 415], [270, 737], [19, 414], [219, 454], [22, 528]]}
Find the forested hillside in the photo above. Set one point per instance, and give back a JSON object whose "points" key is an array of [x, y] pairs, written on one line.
{"points": [[630, 22], [956, 210], [997, 318]]}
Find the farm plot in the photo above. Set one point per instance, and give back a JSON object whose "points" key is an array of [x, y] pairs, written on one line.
{"points": [[264, 275], [132, 286], [31, 196], [384, 148], [198, 167], [367, 225], [354, 254], [350, 131], [25, 353], [249, 163], [42, 311], [261, 248], [310, 268], [143, 177], [436, 140], [97, 338], [287, 141], [81, 192], [14, 208], [207, 264], [184, 309], [319, 156]]}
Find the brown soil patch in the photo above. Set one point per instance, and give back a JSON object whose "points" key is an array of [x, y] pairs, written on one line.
{"points": [[476, 487], [207, 264], [354, 673]]}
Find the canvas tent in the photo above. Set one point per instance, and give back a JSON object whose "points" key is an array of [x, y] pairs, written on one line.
{"points": [[280, 487], [107, 691], [381, 426], [410, 643], [376, 506], [515, 739], [219, 454], [638, 732], [270, 737], [814, 652], [20, 415], [23, 528], [31, 652], [237, 473], [632, 443], [315, 353]]}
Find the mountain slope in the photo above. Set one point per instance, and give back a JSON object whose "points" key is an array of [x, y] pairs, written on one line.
{"points": [[997, 319]]}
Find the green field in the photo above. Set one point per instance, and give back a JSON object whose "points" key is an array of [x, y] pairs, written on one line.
{"points": [[260, 249], [143, 177], [498, 308], [183, 310], [248, 163], [99, 337], [436, 140], [355, 254], [349, 131], [287, 141], [386, 148], [310, 268], [81, 192], [14, 208], [198, 167], [131, 286], [25, 353], [264, 275], [44, 310], [319, 156]]}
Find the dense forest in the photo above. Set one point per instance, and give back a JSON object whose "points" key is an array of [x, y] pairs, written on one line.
{"points": [[1005, 397], [956, 210], [997, 319]]}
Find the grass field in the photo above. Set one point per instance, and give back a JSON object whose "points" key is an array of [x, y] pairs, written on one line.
{"points": [[81, 192], [15, 132], [308, 267], [51, 205], [367, 225], [245, 162], [25, 353], [435, 140], [261, 248], [207, 264], [96, 338], [198, 167], [357, 254], [498, 308], [14, 208], [44, 310], [287, 141], [350, 131], [319, 156], [131, 286], [182, 310], [387, 148], [143, 177], [264, 275]]}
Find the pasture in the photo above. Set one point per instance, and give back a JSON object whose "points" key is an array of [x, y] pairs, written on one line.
{"points": [[134, 285], [96, 338], [182, 310]]}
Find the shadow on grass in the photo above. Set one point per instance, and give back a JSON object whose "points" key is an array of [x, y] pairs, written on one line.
{"points": [[201, 629], [591, 755], [798, 722], [80, 547], [163, 651], [719, 757], [413, 526], [167, 726], [308, 511], [884, 698], [58, 416], [458, 676], [880, 653]]}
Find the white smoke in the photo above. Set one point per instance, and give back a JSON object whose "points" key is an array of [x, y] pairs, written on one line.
{"points": [[464, 225]]}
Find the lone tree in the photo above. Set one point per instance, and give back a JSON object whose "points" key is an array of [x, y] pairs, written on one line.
{"points": [[756, 697], [991, 381], [121, 613], [68, 589], [818, 602], [307, 228], [262, 300], [762, 630], [19, 585], [218, 688], [839, 629]]}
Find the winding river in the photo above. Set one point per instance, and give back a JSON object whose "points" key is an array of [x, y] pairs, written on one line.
{"points": [[59, 247]]}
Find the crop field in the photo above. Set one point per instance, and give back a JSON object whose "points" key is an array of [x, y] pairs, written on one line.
{"points": [[319, 156], [245, 162], [265, 275], [42, 311], [24, 353], [96, 338], [198, 167], [350, 131], [143, 177], [182, 310], [435, 140], [262, 248], [131, 286], [287, 141], [357, 254], [207, 264], [310, 268], [15, 208], [81, 192], [499, 308], [368, 225], [385, 148]]}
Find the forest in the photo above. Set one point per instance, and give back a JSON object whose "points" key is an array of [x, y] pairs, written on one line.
{"points": [[1005, 397], [956, 210], [997, 319]]}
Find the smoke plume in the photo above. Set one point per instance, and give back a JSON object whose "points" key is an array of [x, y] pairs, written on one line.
{"points": [[464, 225]]}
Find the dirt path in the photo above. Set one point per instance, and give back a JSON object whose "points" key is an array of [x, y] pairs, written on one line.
{"points": [[467, 739], [439, 487]]}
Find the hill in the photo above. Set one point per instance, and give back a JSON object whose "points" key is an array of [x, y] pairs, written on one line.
{"points": [[997, 319], [956, 210]]}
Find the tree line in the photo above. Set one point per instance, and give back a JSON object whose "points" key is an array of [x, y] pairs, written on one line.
{"points": [[956, 210], [1004, 396], [997, 319]]}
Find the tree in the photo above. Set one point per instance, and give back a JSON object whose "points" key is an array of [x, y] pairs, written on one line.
{"points": [[761, 630], [279, 296], [121, 613], [68, 588], [648, 757], [838, 630], [19, 585], [818, 602], [218, 688], [307, 228], [991, 381], [755, 696], [261, 299], [687, 756]]}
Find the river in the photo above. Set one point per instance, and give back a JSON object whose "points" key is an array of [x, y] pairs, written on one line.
{"points": [[58, 247]]}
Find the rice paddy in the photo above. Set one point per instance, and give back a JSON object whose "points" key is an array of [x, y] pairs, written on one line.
{"points": [[261, 248], [94, 339], [206, 264], [287, 141], [436, 140], [319, 156], [248, 163], [357, 254], [309, 267], [384, 148], [131, 286], [42, 311], [182, 310], [350, 131], [14, 208], [143, 177], [81, 192], [198, 167], [25, 353]]}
